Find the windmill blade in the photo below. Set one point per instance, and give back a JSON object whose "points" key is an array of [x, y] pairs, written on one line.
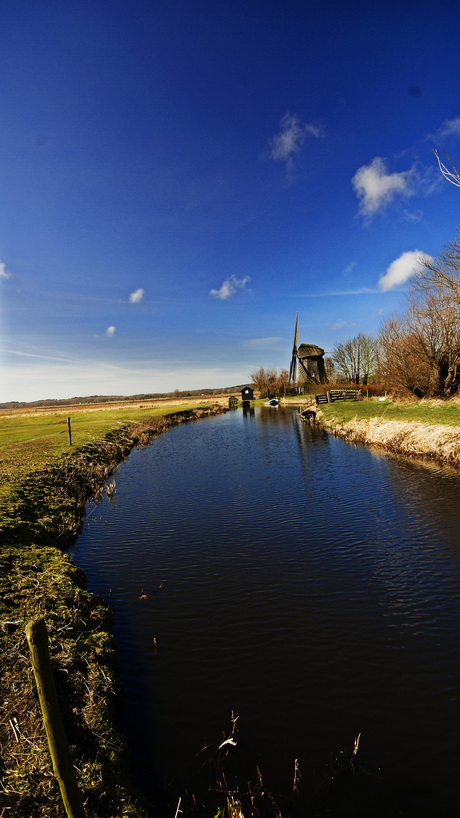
{"points": [[293, 369], [296, 333]]}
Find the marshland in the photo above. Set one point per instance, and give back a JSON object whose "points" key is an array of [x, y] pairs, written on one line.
{"points": [[264, 591]]}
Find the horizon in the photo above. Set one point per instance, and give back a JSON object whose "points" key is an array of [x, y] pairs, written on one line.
{"points": [[179, 180]]}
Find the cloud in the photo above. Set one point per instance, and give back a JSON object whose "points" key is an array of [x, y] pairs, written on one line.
{"points": [[375, 188], [110, 331], [335, 293], [261, 343], [407, 265], [340, 324], [229, 287], [137, 296], [349, 268], [450, 127], [3, 273], [290, 138]]}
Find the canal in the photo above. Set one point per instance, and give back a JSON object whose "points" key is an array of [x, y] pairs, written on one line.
{"points": [[259, 566]]}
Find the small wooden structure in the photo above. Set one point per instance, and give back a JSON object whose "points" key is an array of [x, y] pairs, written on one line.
{"points": [[247, 395], [339, 394]]}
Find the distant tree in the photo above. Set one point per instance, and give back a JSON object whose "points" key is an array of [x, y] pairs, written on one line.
{"points": [[356, 360], [329, 366], [368, 357], [282, 382], [270, 380]]}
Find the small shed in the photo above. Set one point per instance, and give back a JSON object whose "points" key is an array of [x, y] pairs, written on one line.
{"points": [[247, 395]]}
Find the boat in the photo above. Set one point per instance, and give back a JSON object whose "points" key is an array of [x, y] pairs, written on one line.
{"points": [[272, 402], [307, 414]]}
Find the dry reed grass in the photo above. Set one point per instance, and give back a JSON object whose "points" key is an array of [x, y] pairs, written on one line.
{"points": [[409, 438]]}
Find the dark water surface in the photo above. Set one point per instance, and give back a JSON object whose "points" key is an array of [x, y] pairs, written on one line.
{"points": [[311, 586]]}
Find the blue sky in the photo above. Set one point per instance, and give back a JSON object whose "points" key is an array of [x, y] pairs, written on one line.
{"points": [[179, 178]]}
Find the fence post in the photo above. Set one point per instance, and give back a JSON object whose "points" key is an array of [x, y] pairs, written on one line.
{"points": [[37, 638], [69, 427]]}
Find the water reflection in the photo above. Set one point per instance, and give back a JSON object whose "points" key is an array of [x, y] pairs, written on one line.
{"points": [[308, 584]]}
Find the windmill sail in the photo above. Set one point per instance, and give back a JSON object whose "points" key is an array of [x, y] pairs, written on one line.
{"points": [[293, 369]]}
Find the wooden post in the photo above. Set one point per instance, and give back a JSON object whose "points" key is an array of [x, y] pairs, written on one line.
{"points": [[37, 638], [70, 431]]}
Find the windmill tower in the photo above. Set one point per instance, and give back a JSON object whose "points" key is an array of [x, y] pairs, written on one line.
{"points": [[293, 368]]}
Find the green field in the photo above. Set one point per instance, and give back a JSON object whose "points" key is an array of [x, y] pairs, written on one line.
{"points": [[428, 412]]}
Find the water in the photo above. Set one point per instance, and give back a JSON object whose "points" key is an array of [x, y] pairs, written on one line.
{"points": [[258, 565]]}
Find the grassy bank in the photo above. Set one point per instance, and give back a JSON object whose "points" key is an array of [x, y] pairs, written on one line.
{"points": [[425, 429], [44, 487]]}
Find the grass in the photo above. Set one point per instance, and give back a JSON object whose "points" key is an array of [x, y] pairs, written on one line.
{"points": [[45, 484], [428, 412]]}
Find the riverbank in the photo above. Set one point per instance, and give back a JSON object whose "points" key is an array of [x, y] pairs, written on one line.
{"points": [[41, 511], [428, 429]]}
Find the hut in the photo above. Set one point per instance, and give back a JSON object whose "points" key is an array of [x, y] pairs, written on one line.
{"points": [[247, 395]]}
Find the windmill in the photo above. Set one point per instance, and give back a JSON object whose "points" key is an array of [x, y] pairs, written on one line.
{"points": [[293, 369]]}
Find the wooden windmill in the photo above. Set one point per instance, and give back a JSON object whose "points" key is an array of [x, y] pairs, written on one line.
{"points": [[293, 369], [307, 362]]}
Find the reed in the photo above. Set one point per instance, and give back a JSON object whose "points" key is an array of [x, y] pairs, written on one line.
{"points": [[216, 789]]}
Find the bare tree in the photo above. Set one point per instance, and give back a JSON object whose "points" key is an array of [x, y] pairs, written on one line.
{"points": [[269, 380], [282, 382], [329, 367], [402, 365], [357, 358]]}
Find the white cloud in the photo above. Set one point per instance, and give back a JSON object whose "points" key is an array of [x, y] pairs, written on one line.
{"points": [[335, 293], [340, 324], [375, 188], [291, 137], [230, 286], [450, 127], [407, 265], [261, 343], [3, 273], [110, 331], [137, 296], [349, 268]]}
